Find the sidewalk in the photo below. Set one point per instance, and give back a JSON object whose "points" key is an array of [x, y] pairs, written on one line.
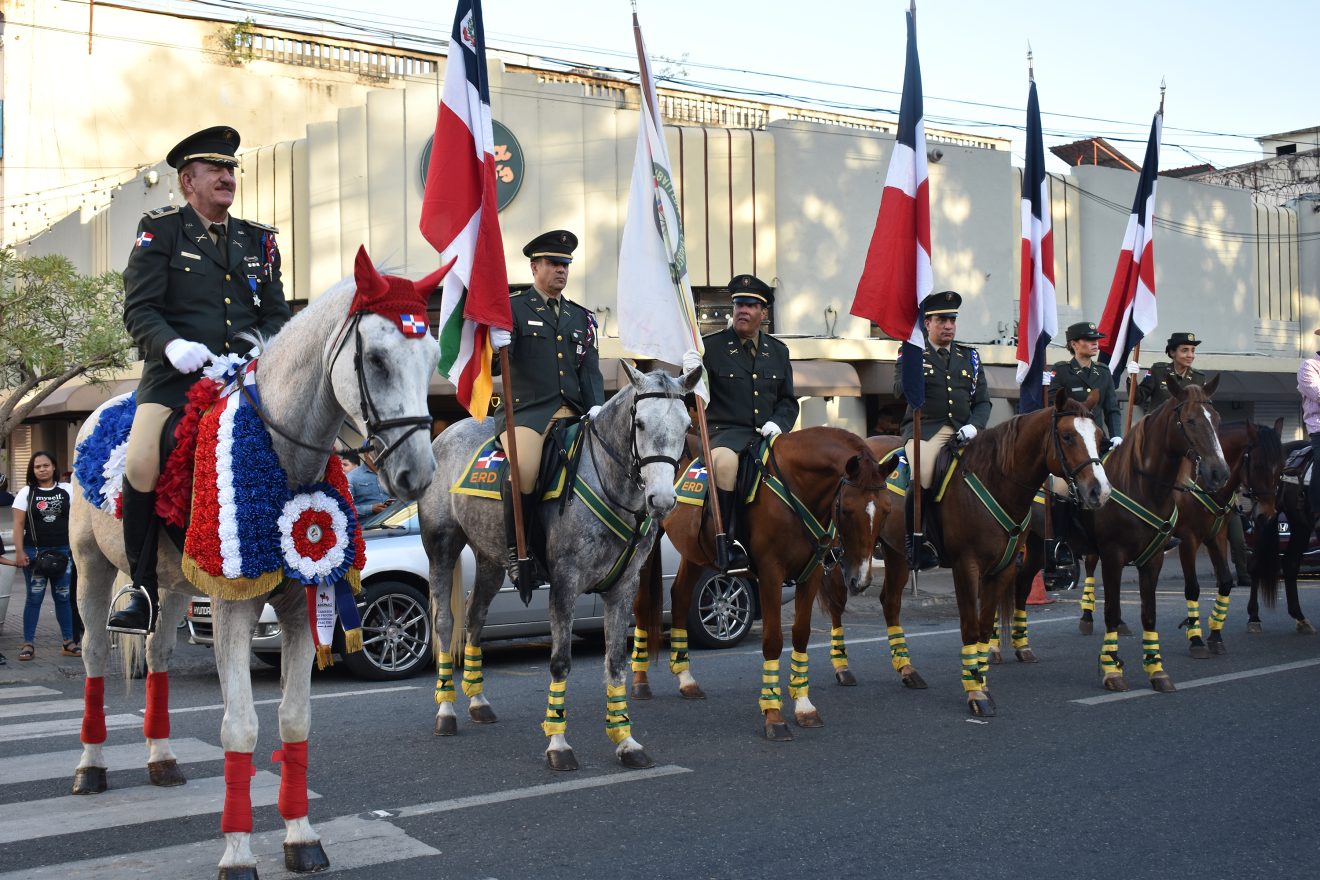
{"points": [[49, 663]]}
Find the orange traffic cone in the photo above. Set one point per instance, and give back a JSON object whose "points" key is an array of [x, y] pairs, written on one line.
{"points": [[1038, 595]]}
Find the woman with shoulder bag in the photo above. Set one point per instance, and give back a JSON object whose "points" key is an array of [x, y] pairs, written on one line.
{"points": [[41, 517]]}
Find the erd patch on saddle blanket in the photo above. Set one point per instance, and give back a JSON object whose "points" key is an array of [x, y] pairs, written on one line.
{"points": [[486, 472]]}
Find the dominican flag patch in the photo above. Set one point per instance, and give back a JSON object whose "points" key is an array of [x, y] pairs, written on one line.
{"points": [[491, 459], [413, 326], [144, 239]]}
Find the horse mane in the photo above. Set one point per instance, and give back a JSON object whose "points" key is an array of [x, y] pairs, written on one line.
{"points": [[1001, 456]]}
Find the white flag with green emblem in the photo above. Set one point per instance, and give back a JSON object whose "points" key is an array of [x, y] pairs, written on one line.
{"points": [[656, 316]]}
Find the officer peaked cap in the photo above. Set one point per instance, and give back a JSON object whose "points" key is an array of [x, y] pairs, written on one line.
{"points": [[1083, 330], [1177, 339], [946, 302], [749, 288], [557, 245], [217, 145]]}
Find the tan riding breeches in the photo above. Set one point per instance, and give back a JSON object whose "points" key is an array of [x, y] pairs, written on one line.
{"points": [[530, 445], [142, 457], [724, 465], [929, 449]]}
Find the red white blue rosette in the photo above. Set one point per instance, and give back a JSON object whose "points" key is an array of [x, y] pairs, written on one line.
{"points": [[316, 536]]}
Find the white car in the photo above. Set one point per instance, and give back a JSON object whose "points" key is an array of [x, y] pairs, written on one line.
{"points": [[394, 604]]}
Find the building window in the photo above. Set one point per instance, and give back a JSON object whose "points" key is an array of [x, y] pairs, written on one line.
{"points": [[1285, 150]]}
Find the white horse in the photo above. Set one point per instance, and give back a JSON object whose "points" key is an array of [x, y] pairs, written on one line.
{"points": [[629, 455], [339, 358]]}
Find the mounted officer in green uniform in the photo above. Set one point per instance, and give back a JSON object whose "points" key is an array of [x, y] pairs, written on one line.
{"points": [[1181, 351], [751, 393], [196, 279], [553, 360], [1083, 374], [957, 403]]}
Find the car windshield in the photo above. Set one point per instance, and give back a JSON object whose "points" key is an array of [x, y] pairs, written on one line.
{"points": [[396, 516]]}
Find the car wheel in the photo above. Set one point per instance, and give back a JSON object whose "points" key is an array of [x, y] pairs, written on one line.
{"points": [[396, 633], [723, 608]]}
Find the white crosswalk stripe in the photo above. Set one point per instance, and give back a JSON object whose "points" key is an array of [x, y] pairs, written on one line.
{"points": [[59, 765]]}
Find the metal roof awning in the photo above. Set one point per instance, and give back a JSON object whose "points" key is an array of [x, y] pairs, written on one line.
{"points": [[79, 399]]}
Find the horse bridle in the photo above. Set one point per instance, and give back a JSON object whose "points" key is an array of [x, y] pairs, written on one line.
{"points": [[1070, 473], [634, 467]]}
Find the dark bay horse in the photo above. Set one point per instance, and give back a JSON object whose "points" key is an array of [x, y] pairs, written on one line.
{"points": [[836, 483], [1292, 503]]}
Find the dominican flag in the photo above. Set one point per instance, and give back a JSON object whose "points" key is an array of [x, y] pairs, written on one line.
{"points": [[1130, 310], [491, 459], [1038, 316], [897, 274], [459, 216]]}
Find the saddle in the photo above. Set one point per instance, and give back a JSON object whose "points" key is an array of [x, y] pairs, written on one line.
{"points": [[1297, 467]]}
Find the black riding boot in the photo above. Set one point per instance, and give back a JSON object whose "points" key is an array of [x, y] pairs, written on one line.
{"points": [[921, 558], [529, 576], [739, 561], [141, 529]]}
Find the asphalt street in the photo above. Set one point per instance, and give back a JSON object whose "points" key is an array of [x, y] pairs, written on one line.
{"points": [[1218, 779]]}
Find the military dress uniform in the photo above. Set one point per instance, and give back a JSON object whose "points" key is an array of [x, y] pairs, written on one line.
{"points": [[1080, 381], [1153, 391]]}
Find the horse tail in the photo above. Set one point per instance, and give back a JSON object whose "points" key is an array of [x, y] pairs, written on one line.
{"points": [[132, 657], [649, 607], [1265, 560]]}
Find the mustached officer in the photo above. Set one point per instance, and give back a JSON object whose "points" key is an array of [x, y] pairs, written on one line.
{"points": [[957, 403], [196, 278]]}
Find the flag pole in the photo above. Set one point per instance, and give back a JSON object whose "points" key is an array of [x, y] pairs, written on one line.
{"points": [[918, 524], [525, 574]]}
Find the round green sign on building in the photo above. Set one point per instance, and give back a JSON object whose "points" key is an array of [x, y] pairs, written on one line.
{"points": [[510, 165]]}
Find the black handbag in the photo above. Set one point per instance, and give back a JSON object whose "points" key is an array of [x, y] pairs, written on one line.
{"points": [[49, 564]]}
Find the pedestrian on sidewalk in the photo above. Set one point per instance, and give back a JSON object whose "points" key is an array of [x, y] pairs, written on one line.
{"points": [[41, 517]]}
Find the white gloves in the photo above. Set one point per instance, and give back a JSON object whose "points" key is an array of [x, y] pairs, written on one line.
{"points": [[1133, 368], [593, 412], [966, 432], [187, 357], [691, 361], [500, 338], [1115, 442], [770, 429]]}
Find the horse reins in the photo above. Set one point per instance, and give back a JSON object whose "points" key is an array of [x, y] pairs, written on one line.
{"points": [[633, 468]]}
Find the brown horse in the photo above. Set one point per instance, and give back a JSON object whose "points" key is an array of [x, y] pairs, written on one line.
{"points": [[1135, 526], [1292, 503], [823, 512]]}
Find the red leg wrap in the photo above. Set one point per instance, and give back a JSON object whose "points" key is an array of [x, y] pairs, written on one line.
{"points": [[156, 724], [93, 726], [293, 779], [237, 815]]}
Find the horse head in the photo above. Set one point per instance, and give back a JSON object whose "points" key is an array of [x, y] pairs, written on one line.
{"points": [[383, 387], [857, 514], [1074, 453], [1198, 426], [658, 422], [1262, 464]]}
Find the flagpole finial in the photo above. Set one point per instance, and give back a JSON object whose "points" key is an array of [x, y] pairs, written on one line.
{"points": [[634, 7], [1031, 64], [1163, 85]]}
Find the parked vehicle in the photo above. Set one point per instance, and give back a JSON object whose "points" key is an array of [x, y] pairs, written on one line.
{"points": [[394, 605]]}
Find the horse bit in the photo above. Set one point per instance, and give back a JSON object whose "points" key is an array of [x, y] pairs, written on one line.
{"points": [[1069, 473], [638, 460]]}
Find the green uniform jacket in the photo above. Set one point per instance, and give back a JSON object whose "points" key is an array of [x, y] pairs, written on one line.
{"points": [[553, 362], [1080, 381], [747, 392], [178, 286], [1152, 391], [955, 396]]}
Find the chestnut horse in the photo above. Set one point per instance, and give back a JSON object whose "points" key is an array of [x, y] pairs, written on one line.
{"points": [[831, 485]]}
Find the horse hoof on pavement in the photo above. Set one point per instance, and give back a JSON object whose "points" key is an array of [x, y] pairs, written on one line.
{"points": [[1254, 628], [1216, 644], [1085, 627], [982, 708], [1200, 652], [305, 858], [808, 719], [239, 872], [563, 759], [482, 714], [636, 760], [89, 780], [778, 732], [1115, 682], [1124, 629], [994, 658], [1304, 628], [914, 681], [1026, 655], [845, 678], [692, 692], [165, 773], [1161, 683], [446, 725], [641, 691]]}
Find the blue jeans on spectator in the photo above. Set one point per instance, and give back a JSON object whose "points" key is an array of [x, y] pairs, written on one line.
{"points": [[36, 592]]}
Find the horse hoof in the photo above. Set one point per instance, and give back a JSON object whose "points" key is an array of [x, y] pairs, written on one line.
{"points": [[692, 692], [636, 760], [641, 691], [1304, 628], [1124, 629], [89, 780], [845, 678], [982, 708], [914, 681], [482, 714], [446, 725], [305, 858], [1026, 655], [563, 759], [165, 773], [1199, 652], [1115, 682], [1085, 627], [239, 872], [808, 719], [1254, 628], [778, 732], [1161, 683], [1216, 644], [994, 658]]}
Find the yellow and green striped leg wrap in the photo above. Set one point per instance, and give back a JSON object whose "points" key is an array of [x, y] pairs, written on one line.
{"points": [[971, 668], [1019, 632], [1109, 662], [1219, 616], [1193, 621], [1088, 594], [617, 726], [983, 661], [556, 716], [838, 650], [641, 653], [798, 680], [473, 682], [444, 678], [770, 696], [1150, 652], [994, 637], [678, 651], [898, 650]]}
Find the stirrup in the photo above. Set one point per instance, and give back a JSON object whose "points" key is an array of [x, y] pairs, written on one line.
{"points": [[740, 561], [921, 557], [152, 613]]}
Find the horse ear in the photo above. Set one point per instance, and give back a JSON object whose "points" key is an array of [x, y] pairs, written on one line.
{"points": [[1278, 426], [368, 280], [1091, 399], [1252, 433], [1212, 385], [1060, 399], [853, 467], [690, 379], [635, 376]]}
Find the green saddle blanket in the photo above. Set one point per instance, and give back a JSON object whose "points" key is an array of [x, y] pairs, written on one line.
{"points": [[486, 472]]}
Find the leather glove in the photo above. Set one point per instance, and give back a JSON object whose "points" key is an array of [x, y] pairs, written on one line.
{"points": [[593, 412], [691, 361], [500, 338], [770, 429], [1115, 442], [1133, 368], [187, 357], [966, 432]]}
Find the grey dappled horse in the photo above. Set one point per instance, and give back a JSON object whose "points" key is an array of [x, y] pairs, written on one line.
{"points": [[308, 386], [629, 459]]}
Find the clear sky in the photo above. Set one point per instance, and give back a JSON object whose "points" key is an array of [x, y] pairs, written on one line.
{"points": [[1235, 71]]}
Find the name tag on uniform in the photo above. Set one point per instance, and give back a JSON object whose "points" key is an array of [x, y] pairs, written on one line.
{"points": [[190, 256], [536, 323]]}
